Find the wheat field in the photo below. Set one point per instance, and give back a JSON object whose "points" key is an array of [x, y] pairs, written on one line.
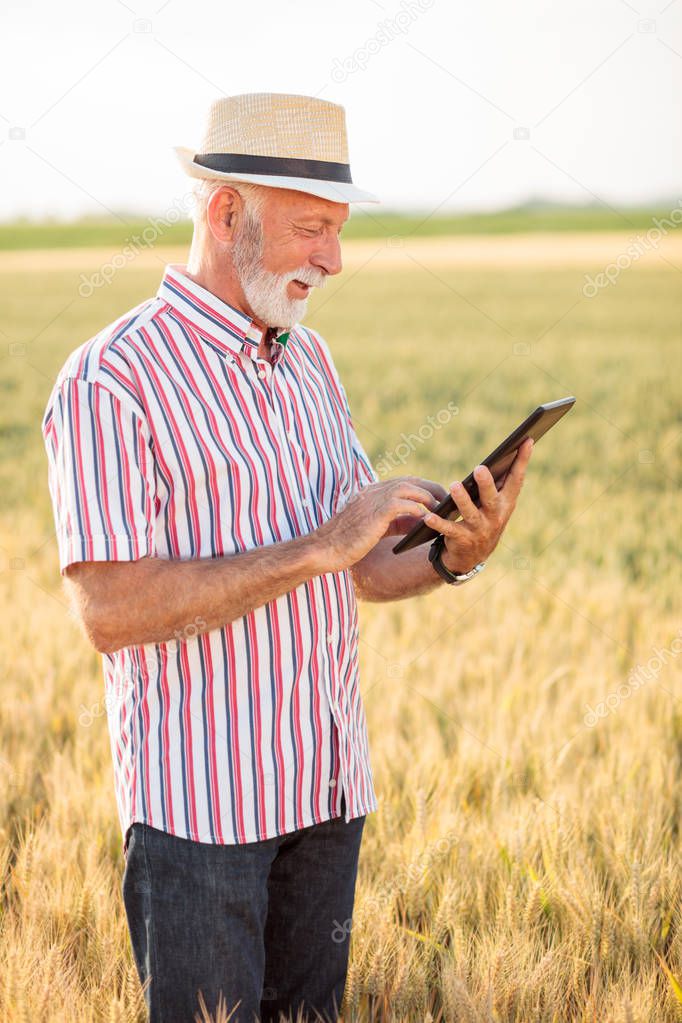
{"points": [[525, 730]]}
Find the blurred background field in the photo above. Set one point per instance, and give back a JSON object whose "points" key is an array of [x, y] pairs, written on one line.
{"points": [[27, 233], [525, 861]]}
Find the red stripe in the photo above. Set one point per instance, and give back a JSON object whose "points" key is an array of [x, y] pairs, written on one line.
{"points": [[214, 808], [235, 752]]}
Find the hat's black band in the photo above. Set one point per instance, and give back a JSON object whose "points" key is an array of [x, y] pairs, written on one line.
{"points": [[240, 163]]}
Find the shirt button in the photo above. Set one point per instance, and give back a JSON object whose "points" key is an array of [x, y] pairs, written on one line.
{"points": [[262, 374], [330, 637], [305, 502], [332, 783]]}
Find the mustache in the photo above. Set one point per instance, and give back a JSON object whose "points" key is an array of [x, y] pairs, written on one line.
{"points": [[306, 275]]}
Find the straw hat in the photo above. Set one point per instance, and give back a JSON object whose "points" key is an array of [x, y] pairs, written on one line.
{"points": [[271, 138]]}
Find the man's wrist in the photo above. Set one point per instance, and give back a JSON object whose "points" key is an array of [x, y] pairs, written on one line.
{"points": [[315, 553], [454, 565], [453, 577]]}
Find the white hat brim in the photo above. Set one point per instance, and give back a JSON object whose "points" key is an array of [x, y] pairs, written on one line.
{"points": [[335, 191]]}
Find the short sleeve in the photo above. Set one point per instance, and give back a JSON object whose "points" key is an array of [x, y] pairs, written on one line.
{"points": [[100, 474]]}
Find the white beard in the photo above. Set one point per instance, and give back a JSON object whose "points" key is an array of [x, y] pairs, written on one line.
{"points": [[266, 292]]}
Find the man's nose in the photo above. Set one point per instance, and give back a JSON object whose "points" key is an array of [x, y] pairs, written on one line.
{"points": [[328, 256]]}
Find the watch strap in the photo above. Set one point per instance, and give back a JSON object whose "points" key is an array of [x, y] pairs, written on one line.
{"points": [[454, 579]]}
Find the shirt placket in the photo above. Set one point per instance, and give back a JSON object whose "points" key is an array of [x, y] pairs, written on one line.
{"points": [[298, 478]]}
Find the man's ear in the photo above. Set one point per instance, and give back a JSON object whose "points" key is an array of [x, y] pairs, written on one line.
{"points": [[222, 213]]}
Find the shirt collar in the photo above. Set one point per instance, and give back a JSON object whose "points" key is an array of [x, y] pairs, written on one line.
{"points": [[228, 329]]}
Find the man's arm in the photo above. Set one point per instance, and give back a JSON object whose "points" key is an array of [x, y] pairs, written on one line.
{"points": [[152, 600]]}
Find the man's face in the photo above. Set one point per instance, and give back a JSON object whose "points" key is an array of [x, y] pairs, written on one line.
{"points": [[293, 248]]}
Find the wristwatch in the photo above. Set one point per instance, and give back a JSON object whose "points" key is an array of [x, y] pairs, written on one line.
{"points": [[454, 579]]}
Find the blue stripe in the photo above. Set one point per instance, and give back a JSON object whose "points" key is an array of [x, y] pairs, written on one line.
{"points": [[207, 769], [139, 749], [275, 711], [159, 735], [294, 675], [228, 731], [181, 723]]}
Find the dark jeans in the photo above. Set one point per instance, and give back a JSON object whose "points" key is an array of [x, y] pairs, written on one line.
{"points": [[265, 923]]}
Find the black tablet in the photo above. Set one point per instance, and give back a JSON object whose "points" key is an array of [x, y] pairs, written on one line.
{"points": [[538, 422]]}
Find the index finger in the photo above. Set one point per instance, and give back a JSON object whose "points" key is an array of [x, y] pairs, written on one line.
{"points": [[410, 488], [438, 491]]}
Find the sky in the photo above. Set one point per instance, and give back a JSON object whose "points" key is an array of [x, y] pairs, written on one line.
{"points": [[449, 106]]}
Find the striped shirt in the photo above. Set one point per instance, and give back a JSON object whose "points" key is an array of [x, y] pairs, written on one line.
{"points": [[168, 436]]}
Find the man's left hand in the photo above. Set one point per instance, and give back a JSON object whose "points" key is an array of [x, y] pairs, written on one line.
{"points": [[475, 537]]}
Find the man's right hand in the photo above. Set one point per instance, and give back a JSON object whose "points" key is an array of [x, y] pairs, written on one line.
{"points": [[378, 510]]}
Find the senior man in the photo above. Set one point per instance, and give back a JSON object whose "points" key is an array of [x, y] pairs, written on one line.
{"points": [[216, 518]]}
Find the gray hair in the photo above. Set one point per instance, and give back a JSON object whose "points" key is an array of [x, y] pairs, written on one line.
{"points": [[203, 189]]}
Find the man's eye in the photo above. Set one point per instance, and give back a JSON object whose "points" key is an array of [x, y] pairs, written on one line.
{"points": [[310, 231]]}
